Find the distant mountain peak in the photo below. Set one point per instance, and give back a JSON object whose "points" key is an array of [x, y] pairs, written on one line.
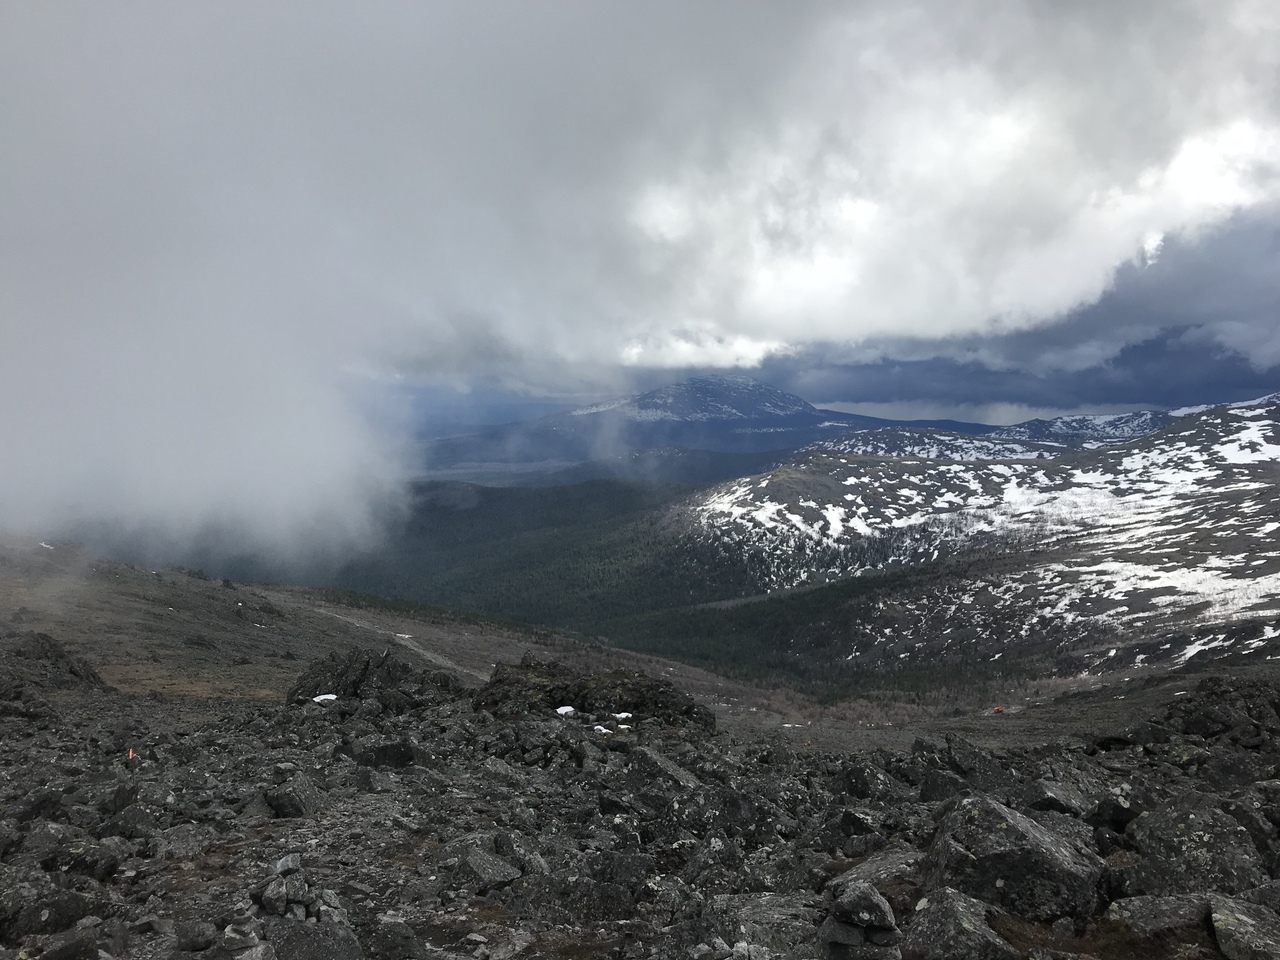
{"points": [[1087, 429], [707, 398], [1270, 400]]}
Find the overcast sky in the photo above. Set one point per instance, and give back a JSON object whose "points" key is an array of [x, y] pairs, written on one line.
{"points": [[223, 226]]}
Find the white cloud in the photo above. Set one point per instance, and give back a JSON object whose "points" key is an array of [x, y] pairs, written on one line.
{"points": [[1152, 244], [699, 345], [978, 205], [210, 210]]}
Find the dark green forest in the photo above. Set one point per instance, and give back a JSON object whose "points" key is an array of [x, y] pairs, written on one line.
{"points": [[615, 561], [571, 557]]}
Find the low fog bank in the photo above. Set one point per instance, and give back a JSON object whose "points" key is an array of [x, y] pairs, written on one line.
{"points": [[220, 550], [198, 446]]}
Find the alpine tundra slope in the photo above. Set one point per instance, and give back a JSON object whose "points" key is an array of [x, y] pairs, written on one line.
{"points": [[1142, 538]]}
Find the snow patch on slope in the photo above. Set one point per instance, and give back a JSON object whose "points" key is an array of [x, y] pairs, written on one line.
{"points": [[930, 445], [1179, 524]]}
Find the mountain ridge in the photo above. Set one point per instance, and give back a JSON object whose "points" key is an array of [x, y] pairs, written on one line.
{"points": [[1169, 531], [713, 415], [1150, 550], [706, 398]]}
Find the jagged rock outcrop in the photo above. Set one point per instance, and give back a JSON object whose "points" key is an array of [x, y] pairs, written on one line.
{"points": [[535, 686], [366, 676], [38, 659], [36, 665]]}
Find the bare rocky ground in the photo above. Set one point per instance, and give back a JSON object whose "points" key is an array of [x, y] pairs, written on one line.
{"points": [[170, 786]]}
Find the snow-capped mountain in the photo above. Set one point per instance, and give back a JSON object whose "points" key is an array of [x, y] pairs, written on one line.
{"points": [[707, 398], [1088, 430], [739, 415], [726, 415], [1176, 528], [1269, 399]]}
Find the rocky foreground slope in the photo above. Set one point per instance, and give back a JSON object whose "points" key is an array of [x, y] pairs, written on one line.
{"points": [[390, 812]]}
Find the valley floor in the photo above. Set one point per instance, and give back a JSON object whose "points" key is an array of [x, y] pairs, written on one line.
{"points": [[176, 634]]}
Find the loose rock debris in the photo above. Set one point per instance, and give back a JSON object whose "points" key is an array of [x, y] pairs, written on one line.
{"points": [[411, 817]]}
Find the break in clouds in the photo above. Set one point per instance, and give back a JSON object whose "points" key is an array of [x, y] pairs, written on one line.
{"points": [[225, 225]]}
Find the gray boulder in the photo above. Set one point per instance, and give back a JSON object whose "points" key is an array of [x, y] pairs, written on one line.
{"points": [[842, 933], [858, 902], [989, 851], [1159, 916], [1245, 931], [937, 785], [297, 798], [1189, 845], [480, 870], [1056, 797], [894, 873], [948, 925], [312, 941], [31, 903], [980, 770]]}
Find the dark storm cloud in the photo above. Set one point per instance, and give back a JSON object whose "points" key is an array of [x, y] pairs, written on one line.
{"points": [[1164, 336], [1168, 371], [223, 225]]}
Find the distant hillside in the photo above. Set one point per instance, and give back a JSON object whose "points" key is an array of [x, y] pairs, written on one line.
{"points": [[932, 444], [908, 547], [701, 399], [1088, 431], [1207, 481], [682, 433], [574, 556], [707, 415], [1169, 534]]}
